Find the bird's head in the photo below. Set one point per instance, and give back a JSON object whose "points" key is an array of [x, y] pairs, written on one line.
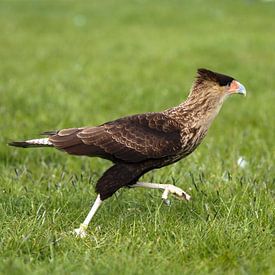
{"points": [[216, 84]]}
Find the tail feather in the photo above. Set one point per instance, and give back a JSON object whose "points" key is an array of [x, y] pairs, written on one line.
{"points": [[40, 142]]}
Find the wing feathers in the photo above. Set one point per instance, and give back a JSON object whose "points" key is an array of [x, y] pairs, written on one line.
{"points": [[131, 139]]}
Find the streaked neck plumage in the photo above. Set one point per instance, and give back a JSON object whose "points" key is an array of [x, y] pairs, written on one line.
{"points": [[200, 108]]}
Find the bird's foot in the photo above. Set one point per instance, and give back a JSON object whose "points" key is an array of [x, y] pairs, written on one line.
{"points": [[176, 191], [81, 231]]}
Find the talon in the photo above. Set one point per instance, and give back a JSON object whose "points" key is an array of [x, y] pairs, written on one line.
{"points": [[167, 202], [186, 196]]}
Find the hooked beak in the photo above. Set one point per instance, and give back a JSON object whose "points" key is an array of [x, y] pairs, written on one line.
{"points": [[237, 87]]}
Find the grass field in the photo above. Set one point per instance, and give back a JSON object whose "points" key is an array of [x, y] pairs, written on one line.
{"points": [[75, 63]]}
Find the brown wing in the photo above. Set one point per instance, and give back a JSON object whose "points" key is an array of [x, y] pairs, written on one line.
{"points": [[131, 139]]}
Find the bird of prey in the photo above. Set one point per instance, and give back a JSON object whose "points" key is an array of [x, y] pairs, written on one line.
{"points": [[140, 143]]}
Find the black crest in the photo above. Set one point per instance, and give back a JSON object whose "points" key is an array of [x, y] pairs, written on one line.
{"points": [[223, 80]]}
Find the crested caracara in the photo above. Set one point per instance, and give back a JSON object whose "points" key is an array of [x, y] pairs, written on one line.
{"points": [[140, 143]]}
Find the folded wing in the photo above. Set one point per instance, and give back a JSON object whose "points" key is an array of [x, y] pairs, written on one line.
{"points": [[130, 139]]}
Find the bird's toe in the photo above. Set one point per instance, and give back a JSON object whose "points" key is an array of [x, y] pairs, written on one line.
{"points": [[179, 193], [182, 196], [80, 232]]}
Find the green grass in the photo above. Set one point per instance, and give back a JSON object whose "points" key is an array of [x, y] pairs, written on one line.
{"points": [[75, 63]]}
